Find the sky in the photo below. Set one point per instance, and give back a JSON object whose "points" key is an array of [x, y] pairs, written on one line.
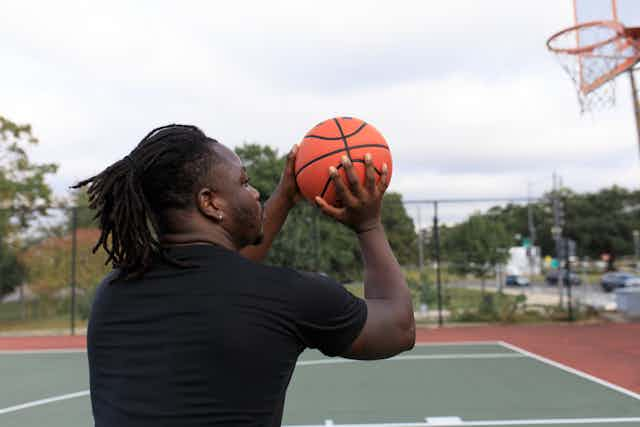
{"points": [[465, 92]]}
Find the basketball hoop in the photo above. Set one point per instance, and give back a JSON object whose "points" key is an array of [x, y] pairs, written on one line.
{"points": [[593, 54]]}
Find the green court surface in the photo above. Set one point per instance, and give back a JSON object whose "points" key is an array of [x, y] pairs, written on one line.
{"points": [[472, 384]]}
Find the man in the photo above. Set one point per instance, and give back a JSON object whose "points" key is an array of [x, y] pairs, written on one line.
{"points": [[189, 329]]}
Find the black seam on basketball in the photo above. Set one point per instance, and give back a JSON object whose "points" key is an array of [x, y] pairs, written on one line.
{"points": [[331, 153], [326, 184], [344, 139], [331, 138]]}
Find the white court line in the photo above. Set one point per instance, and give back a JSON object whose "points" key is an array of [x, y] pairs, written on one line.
{"points": [[456, 343], [491, 423], [416, 357], [571, 370], [44, 401]]}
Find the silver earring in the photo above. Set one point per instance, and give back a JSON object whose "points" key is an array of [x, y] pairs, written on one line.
{"points": [[219, 217]]}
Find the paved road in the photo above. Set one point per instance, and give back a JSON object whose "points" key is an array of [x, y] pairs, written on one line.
{"points": [[541, 293]]}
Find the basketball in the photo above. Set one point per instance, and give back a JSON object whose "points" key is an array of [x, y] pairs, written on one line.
{"points": [[325, 144]]}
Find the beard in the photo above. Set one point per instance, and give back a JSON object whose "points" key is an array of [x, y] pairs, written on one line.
{"points": [[251, 226]]}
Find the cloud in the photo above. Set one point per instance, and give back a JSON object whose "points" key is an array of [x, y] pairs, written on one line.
{"points": [[469, 99]]}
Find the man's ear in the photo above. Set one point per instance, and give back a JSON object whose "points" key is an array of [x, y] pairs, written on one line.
{"points": [[210, 204]]}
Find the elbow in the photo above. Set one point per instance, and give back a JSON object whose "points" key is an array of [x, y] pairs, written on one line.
{"points": [[407, 331], [410, 337]]}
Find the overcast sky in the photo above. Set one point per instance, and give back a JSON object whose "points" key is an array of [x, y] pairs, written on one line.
{"points": [[467, 95]]}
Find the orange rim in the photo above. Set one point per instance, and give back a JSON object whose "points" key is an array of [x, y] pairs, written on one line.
{"points": [[614, 25]]}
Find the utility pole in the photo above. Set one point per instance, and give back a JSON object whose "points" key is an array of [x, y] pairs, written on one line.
{"points": [[635, 95]]}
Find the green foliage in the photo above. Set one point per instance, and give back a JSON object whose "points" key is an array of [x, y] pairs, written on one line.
{"points": [[601, 222], [477, 245], [400, 229], [11, 271], [467, 305], [24, 194]]}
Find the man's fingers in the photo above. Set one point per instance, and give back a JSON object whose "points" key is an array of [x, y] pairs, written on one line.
{"points": [[343, 193], [354, 182], [370, 173], [329, 210], [384, 178], [291, 157]]}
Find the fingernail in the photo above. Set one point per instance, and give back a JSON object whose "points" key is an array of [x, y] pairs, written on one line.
{"points": [[294, 148], [367, 157], [333, 171], [345, 160], [385, 168]]}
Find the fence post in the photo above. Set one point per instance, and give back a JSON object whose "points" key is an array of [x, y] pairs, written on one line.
{"points": [[74, 243], [436, 240], [316, 252], [568, 267], [421, 280]]}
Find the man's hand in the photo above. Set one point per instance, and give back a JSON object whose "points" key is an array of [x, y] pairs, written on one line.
{"points": [[287, 188], [361, 204]]}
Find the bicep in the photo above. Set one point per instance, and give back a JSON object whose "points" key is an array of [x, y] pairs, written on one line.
{"points": [[387, 331]]}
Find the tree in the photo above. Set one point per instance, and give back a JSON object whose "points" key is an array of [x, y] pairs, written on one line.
{"points": [[24, 194], [49, 262], [400, 229], [477, 246], [601, 222]]}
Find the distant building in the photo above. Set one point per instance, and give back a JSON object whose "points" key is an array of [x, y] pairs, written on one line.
{"points": [[523, 261]]}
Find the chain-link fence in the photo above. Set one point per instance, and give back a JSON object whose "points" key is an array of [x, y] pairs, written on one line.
{"points": [[473, 260]]}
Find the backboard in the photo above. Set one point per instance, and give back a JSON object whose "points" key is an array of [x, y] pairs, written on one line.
{"points": [[625, 11]]}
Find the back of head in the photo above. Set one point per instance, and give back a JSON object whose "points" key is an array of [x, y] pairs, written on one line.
{"points": [[163, 172]]}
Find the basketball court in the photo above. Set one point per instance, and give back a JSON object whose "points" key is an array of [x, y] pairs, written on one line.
{"points": [[449, 384]]}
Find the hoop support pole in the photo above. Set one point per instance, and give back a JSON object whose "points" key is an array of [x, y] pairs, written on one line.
{"points": [[636, 104]]}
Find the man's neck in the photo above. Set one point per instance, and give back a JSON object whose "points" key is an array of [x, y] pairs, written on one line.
{"points": [[195, 237]]}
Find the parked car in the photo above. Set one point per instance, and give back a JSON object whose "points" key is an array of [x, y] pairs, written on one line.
{"points": [[552, 278], [515, 280], [618, 279]]}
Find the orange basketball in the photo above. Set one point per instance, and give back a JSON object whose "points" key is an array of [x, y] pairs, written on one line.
{"points": [[324, 146]]}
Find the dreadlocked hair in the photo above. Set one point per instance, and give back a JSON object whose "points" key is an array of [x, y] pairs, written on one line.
{"points": [[128, 196]]}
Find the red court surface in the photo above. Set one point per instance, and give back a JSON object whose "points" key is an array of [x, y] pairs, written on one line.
{"points": [[608, 351]]}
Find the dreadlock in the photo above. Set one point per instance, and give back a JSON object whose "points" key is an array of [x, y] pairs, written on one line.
{"points": [[128, 196]]}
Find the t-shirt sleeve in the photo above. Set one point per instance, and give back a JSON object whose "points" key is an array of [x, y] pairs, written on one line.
{"points": [[327, 316]]}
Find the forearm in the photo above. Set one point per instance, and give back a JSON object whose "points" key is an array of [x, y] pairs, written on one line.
{"points": [[383, 277], [276, 210]]}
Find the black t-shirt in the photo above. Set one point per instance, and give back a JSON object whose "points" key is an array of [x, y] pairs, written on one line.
{"points": [[215, 344]]}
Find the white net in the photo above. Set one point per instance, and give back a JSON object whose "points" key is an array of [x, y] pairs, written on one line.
{"points": [[593, 55]]}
